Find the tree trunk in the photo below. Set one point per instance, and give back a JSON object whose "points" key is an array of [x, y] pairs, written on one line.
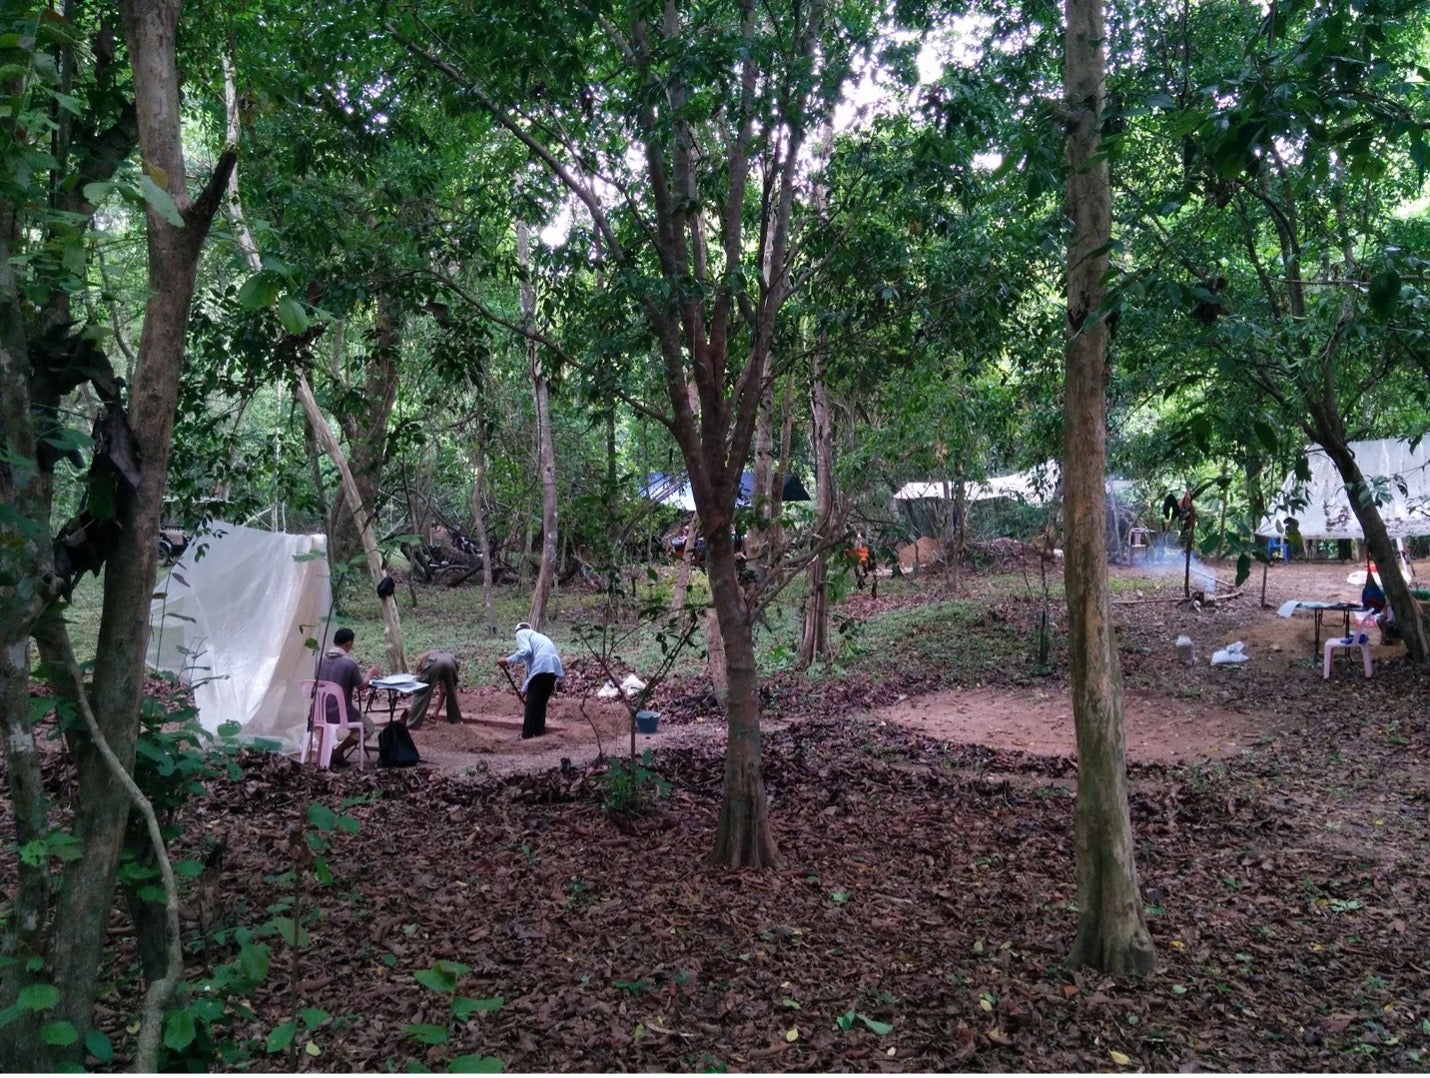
{"points": [[682, 574], [545, 443], [101, 815], [26, 554], [392, 624], [757, 536], [479, 522], [743, 839], [366, 430], [777, 490], [1112, 931], [1331, 436], [716, 660], [814, 637]]}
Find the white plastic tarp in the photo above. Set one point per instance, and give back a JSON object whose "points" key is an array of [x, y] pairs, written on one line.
{"points": [[236, 618], [1036, 486], [1399, 477]]}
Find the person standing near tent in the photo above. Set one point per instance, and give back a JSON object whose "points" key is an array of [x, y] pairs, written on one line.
{"points": [[438, 669], [1295, 544], [543, 667], [339, 667]]}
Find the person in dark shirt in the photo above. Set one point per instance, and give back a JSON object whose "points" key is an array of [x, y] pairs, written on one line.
{"points": [[339, 667]]}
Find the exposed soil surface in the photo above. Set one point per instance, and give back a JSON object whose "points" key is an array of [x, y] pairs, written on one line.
{"points": [[1172, 722], [927, 897]]}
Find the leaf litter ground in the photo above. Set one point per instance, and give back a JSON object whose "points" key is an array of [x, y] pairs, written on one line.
{"points": [[927, 898]]}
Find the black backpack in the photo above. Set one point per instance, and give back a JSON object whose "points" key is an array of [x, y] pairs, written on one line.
{"points": [[395, 747]]}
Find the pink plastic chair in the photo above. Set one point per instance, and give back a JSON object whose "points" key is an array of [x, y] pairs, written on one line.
{"points": [[1354, 640], [326, 733]]}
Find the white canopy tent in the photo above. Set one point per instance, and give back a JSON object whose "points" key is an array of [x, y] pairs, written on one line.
{"points": [[1322, 509], [239, 619], [1036, 486]]}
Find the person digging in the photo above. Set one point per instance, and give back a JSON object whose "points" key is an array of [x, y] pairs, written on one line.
{"points": [[438, 669], [538, 654]]}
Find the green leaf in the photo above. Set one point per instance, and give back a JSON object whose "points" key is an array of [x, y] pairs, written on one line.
{"points": [[97, 1044], [179, 1031], [426, 1033], [159, 200], [290, 933], [1384, 293], [38, 997], [463, 1007], [1266, 434], [845, 1021], [253, 961], [282, 1036], [878, 1027], [189, 868], [476, 1065], [439, 980], [292, 315], [59, 1033], [313, 1017], [258, 291], [322, 817], [95, 193]]}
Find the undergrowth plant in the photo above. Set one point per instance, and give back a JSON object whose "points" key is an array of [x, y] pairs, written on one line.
{"points": [[629, 786], [444, 977]]}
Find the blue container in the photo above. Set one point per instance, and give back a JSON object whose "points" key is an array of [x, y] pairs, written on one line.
{"points": [[647, 721]]}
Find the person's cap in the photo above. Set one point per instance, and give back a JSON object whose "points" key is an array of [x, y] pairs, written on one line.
{"points": [[520, 625]]}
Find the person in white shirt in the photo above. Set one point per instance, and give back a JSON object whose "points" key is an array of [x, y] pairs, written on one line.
{"points": [[543, 666]]}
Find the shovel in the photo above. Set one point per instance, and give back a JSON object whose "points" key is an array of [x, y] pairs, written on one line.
{"points": [[519, 694]]}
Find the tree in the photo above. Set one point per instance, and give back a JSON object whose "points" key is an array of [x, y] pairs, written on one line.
{"points": [[545, 446], [1268, 156], [67, 929], [1112, 930], [716, 106]]}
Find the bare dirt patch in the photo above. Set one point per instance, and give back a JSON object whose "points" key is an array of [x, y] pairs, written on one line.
{"points": [[487, 740], [1159, 729]]}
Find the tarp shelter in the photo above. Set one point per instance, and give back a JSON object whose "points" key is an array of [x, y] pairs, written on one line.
{"points": [[1321, 507], [1035, 486], [235, 619], [674, 490]]}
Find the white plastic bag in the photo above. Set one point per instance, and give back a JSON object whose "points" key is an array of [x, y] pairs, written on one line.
{"points": [[1185, 650], [1232, 653]]}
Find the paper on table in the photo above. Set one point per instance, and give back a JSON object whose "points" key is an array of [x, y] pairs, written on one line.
{"points": [[400, 682]]}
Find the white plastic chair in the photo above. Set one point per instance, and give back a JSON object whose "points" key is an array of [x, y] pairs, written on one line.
{"points": [[1354, 640], [326, 733]]}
